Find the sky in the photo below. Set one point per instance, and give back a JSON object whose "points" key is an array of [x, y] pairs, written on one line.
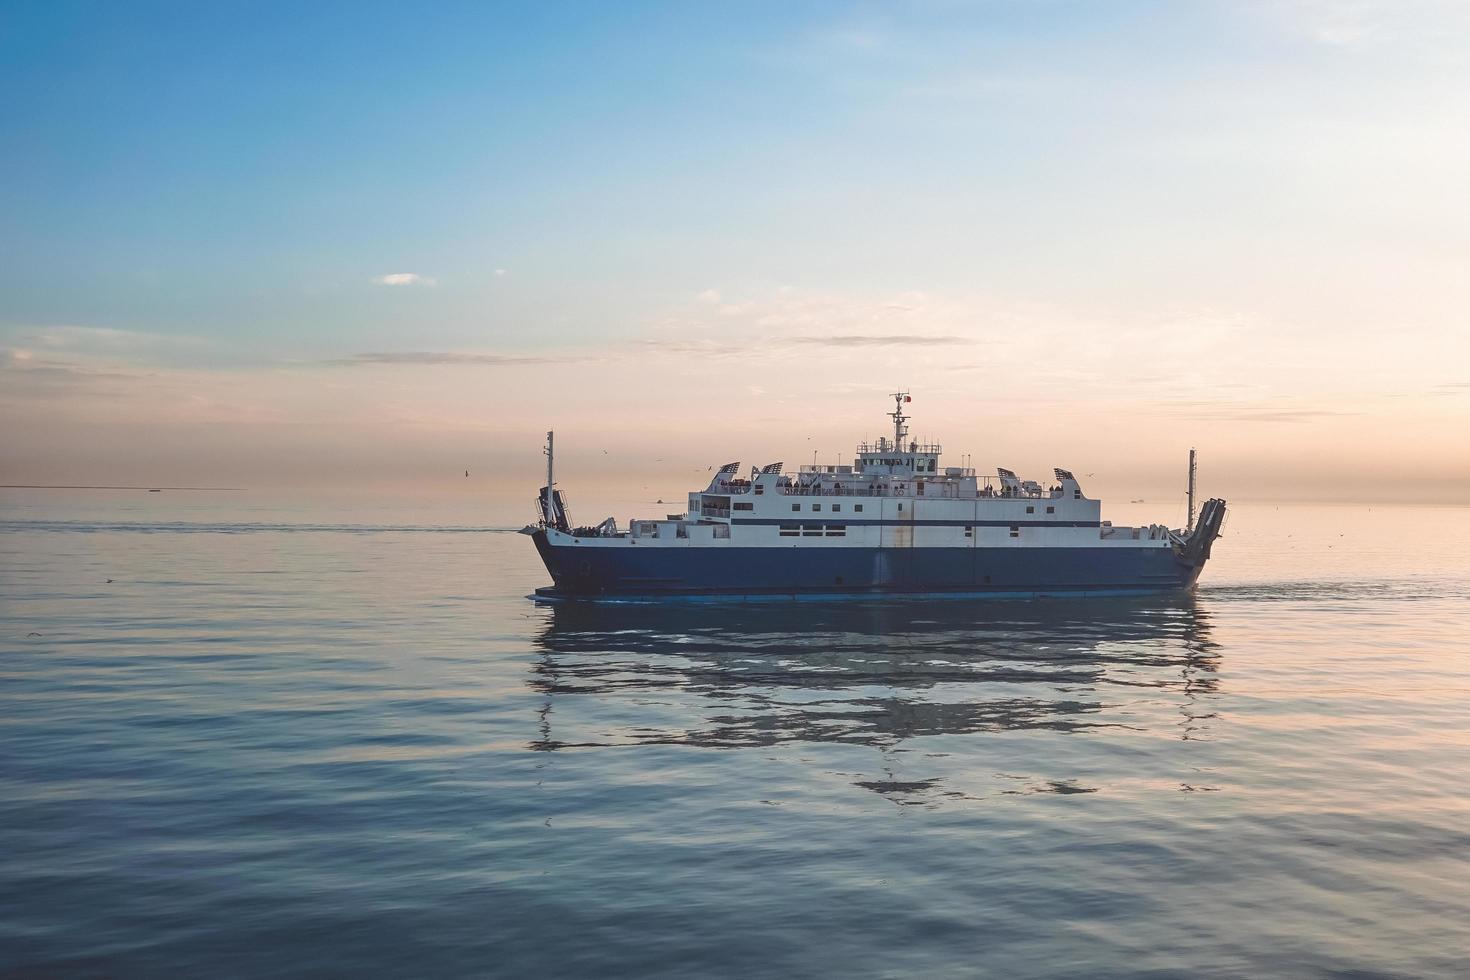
{"points": [[372, 246]]}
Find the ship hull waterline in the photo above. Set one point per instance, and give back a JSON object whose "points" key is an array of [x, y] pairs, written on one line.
{"points": [[728, 573]]}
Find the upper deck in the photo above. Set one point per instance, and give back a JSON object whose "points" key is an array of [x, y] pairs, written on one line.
{"points": [[890, 480], [890, 470]]}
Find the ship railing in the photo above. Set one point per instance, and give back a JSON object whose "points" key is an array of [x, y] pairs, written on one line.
{"points": [[735, 488], [1004, 494], [890, 448], [1150, 532], [797, 490], [986, 492]]}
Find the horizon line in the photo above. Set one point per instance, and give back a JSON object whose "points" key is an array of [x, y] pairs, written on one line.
{"points": [[63, 486]]}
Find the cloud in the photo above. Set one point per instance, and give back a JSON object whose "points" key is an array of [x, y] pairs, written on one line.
{"points": [[675, 345], [890, 340], [668, 345], [428, 357], [28, 377], [407, 279], [110, 347], [672, 345], [1358, 23], [104, 340], [1223, 411]]}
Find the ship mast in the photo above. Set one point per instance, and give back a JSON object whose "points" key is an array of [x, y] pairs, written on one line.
{"points": [[899, 429], [550, 519], [1190, 526]]}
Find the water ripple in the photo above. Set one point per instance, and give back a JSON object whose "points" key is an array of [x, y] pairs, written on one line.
{"points": [[360, 750]]}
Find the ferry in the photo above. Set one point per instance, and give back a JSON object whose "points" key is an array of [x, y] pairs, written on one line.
{"points": [[893, 523]]}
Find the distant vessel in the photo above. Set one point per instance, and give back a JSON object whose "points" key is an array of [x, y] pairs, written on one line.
{"points": [[893, 523]]}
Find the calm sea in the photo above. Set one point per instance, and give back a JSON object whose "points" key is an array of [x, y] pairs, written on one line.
{"points": [[247, 738]]}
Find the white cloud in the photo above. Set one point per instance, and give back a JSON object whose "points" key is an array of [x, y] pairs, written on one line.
{"points": [[99, 338], [404, 279], [500, 272], [1356, 23]]}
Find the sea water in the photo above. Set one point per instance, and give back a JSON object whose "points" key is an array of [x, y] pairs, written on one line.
{"points": [[251, 739]]}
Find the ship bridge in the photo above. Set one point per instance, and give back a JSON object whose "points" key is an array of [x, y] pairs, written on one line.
{"points": [[884, 458], [897, 456]]}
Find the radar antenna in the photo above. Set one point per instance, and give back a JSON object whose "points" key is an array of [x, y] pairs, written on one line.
{"points": [[900, 398]]}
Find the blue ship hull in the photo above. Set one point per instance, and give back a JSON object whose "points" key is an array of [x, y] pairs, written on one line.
{"points": [[582, 572]]}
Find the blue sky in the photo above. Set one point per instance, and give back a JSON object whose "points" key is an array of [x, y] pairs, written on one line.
{"points": [[222, 169], [254, 187]]}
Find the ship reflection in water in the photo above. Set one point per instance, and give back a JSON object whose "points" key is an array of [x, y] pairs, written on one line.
{"points": [[926, 684]]}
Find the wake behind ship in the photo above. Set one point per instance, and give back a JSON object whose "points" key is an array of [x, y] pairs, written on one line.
{"points": [[893, 523]]}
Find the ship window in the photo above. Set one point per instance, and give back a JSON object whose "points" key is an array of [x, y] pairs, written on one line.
{"points": [[1015, 531], [790, 530], [796, 506], [900, 506], [1030, 510], [744, 505], [836, 530], [1051, 510], [969, 532], [836, 507], [811, 530], [858, 508], [759, 490], [816, 506]]}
